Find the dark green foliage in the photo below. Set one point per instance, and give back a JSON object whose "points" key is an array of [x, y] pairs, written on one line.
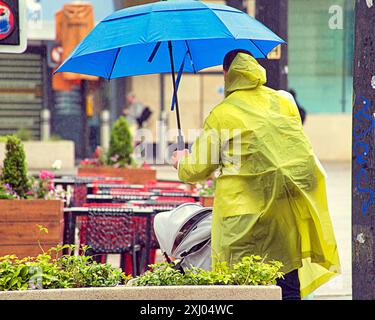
{"points": [[252, 270], [24, 134], [14, 168], [121, 144], [51, 270], [5, 194]]}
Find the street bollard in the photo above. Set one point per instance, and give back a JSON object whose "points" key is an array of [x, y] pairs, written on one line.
{"points": [[105, 129], [45, 124]]}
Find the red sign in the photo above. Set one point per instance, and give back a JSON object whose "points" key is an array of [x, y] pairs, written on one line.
{"points": [[6, 21]]}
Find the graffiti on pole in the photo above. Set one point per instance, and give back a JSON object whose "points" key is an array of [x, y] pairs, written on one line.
{"points": [[361, 151]]}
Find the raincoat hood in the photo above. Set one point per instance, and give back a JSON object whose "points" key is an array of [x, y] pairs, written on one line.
{"points": [[244, 73]]}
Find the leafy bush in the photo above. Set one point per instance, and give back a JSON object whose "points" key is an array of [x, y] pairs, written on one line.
{"points": [[51, 270], [252, 270], [24, 134], [6, 192], [120, 145], [14, 167]]}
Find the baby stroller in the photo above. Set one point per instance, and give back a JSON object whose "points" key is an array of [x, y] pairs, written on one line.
{"points": [[185, 234]]}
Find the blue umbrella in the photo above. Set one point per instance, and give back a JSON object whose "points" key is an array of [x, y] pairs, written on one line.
{"points": [[162, 37]]}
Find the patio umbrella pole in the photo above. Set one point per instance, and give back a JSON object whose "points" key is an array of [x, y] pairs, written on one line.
{"points": [[180, 138]]}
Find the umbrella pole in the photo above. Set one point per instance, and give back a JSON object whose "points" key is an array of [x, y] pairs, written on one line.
{"points": [[180, 138]]}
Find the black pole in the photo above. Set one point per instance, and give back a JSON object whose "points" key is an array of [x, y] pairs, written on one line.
{"points": [[180, 138], [274, 14], [238, 4]]}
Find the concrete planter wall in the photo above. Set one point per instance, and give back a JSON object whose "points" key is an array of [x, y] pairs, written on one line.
{"points": [[151, 293], [132, 175], [42, 154], [18, 226]]}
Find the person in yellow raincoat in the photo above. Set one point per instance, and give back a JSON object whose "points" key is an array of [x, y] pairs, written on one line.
{"points": [[270, 197]]}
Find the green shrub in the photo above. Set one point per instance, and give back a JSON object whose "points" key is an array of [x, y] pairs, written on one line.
{"points": [[121, 144], [6, 193], [24, 134], [252, 270], [51, 270], [14, 167]]}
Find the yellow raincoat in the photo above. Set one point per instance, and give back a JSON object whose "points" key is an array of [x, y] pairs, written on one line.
{"points": [[270, 196]]}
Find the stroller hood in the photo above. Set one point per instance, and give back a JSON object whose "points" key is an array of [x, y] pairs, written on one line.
{"points": [[183, 230]]}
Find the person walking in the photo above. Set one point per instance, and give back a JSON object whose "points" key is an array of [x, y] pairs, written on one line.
{"points": [[132, 112], [270, 197]]}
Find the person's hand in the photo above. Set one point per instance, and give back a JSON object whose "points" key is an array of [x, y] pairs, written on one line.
{"points": [[177, 156]]}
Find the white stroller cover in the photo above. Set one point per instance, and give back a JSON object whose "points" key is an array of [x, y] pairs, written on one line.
{"points": [[185, 233]]}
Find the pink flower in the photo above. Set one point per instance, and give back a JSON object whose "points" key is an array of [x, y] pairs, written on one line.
{"points": [[44, 174], [51, 186], [146, 166], [209, 183]]}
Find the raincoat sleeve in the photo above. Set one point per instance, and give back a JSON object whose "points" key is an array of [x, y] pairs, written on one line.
{"points": [[204, 158]]}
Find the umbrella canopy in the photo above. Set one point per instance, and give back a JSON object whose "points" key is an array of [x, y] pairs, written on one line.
{"points": [[134, 41], [161, 37]]}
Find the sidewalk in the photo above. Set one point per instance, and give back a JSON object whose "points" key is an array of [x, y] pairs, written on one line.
{"points": [[339, 201]]}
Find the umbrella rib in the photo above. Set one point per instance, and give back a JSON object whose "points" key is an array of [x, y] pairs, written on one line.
{"points": [[154, 52], [114, 63], [258, 48], [190, 55]]}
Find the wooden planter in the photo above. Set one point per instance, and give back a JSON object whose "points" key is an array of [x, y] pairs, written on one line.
{"points": [[131, 175], [207, 201], [212, 293], [18, 226]]}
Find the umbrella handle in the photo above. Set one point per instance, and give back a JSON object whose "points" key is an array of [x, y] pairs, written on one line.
{"points": [[180, 141]]}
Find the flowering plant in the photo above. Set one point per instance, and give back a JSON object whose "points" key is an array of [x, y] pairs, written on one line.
{"points": [[97, 159], [101, 158], [6, 192], [43, 187], [207, 189]]}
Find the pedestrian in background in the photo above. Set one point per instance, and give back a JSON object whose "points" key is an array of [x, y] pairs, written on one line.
{"points": [[132, 112], [301, 110]]}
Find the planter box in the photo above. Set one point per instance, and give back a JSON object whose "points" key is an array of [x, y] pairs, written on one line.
{"points": [[207, 201], [131, 175], [42, 154], [18, 230], [151, 293]]}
